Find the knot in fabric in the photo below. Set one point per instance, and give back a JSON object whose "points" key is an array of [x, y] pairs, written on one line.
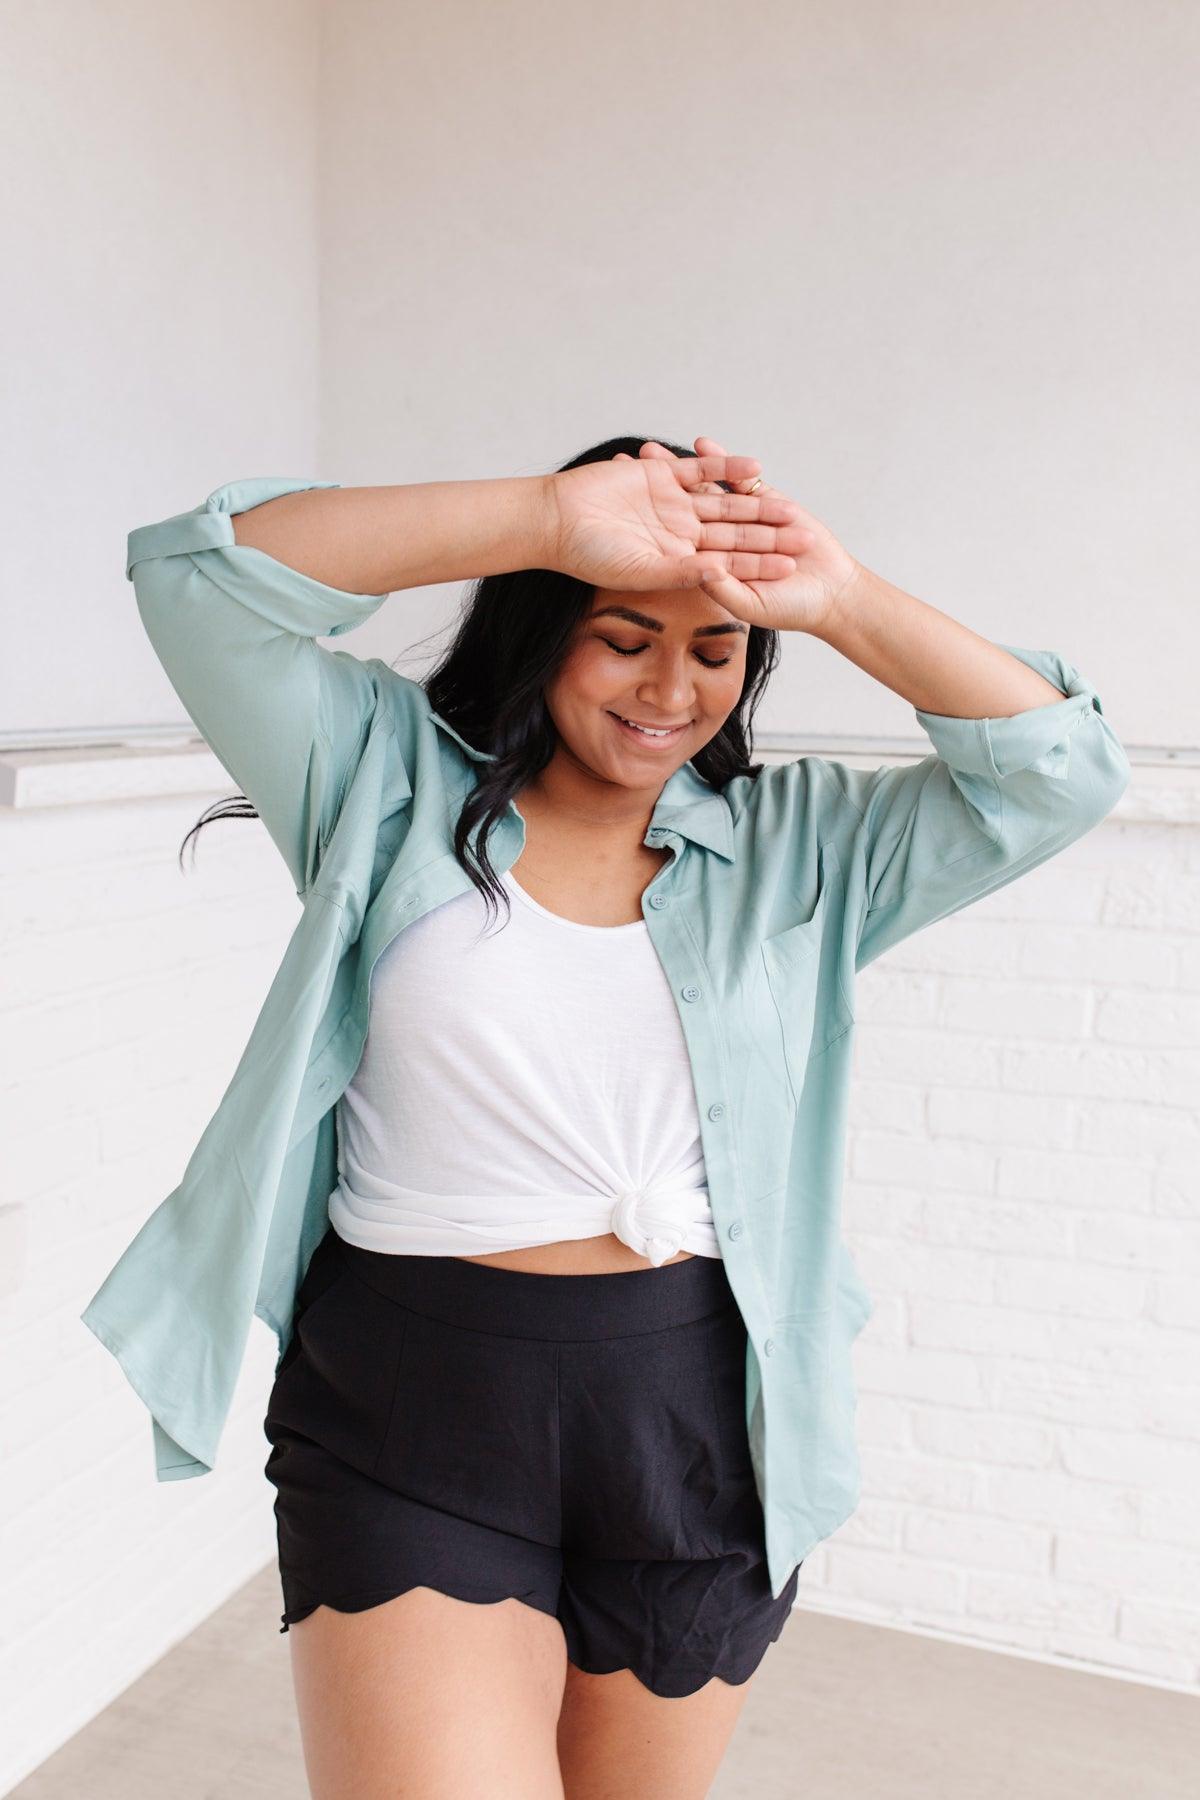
{"points": [[653, 1221]]}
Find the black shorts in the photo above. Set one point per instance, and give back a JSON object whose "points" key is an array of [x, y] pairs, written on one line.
{"points": [[575, 1441]]}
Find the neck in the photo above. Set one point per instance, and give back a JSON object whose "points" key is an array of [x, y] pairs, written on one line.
{"points": [[574, 795]]}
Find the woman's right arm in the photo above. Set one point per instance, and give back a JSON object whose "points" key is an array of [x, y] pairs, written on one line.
{"points": [[380, 539], [233, 594]]}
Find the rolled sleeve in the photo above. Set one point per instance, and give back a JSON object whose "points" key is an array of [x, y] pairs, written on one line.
{"points": [[283, 596], [998, 797], [234, 629], [1039, 736]]}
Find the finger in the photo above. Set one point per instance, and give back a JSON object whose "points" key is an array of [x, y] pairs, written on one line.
{"points": [[708, 451], [654, 451], [739, 565], [707, 486], [693, 471], [710, 447], [737, 509], [723, 587], [784, 540]]}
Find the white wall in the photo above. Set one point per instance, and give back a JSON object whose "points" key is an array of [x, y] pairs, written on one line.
{"points": [[1021, 1198], [128, 990], [160, 329], [471, 246], [936, 266], [159, 313]]}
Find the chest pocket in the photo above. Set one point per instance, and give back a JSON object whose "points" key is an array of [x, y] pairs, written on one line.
{"points": [[803, 971]]}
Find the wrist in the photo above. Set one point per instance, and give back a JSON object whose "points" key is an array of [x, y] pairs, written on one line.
{"points": [[509, 525], [544, 521], [845, 603]]}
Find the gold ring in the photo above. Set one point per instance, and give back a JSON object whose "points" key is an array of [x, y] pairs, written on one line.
{"points": [[756, 483]]}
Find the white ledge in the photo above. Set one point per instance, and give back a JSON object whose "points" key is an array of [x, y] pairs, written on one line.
{"points": [[1162, 789], [90, 774]]}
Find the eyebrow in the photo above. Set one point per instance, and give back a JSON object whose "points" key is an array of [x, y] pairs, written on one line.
{"points": [[649, 624]]}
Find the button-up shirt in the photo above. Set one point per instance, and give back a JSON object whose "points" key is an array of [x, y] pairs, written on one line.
{"points": [[777, 890]]}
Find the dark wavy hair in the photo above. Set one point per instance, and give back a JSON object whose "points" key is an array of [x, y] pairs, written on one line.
{"points": [[513, 632]]}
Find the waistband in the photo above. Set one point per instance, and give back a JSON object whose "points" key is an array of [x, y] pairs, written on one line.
{"points": [[519, 1303]]}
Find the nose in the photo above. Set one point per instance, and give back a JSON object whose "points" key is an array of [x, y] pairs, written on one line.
{"points": [[672, 689]]}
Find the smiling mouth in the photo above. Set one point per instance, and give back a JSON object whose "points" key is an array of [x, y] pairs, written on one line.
{"points": [[650, 734]]}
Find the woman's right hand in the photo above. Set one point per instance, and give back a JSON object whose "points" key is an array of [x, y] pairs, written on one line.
{"points": [[645, 525]]}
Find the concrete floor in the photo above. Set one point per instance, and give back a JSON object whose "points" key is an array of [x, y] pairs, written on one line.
{"points": [[838, 1711]]}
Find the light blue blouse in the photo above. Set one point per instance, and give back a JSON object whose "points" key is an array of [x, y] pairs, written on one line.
{"points": [[777, 892]]}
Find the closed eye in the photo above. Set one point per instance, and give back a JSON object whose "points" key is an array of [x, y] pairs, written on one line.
{"points": [[708, 661]]}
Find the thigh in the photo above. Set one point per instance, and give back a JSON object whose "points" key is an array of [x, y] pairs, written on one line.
{"points": [[619, 1741], [426, 1696]]}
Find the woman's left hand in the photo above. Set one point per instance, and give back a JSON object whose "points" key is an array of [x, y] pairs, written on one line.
{"points": [[799, 602]]}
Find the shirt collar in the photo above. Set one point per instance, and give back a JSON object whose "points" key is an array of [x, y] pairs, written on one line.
{"points": [[687, 804]]}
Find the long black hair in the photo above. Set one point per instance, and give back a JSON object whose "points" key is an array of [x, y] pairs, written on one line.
{"points": [[513, 632]]}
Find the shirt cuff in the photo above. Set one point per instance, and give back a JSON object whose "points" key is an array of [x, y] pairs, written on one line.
{"points": [[209, 527], [1038, 736], [284, 596]]}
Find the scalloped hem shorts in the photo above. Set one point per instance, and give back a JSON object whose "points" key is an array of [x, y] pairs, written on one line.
{"points": [[577, 1442]]}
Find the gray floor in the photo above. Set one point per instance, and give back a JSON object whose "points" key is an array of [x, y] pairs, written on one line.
{"points": [[838, 1712]]}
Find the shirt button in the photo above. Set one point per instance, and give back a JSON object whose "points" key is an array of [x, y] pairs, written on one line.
{"points": [[736, 1229], [717, 1110], [691, 991], [769, 1347], [659, 900]]}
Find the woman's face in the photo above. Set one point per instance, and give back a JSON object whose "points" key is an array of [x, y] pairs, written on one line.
{"points": [[675, 660]]}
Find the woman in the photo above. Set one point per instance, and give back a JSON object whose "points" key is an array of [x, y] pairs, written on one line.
{"points": [[564, 1393]]}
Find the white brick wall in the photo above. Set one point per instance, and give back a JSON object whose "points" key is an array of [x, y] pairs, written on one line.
{"points": [[1021, 1199], [128, 989]]}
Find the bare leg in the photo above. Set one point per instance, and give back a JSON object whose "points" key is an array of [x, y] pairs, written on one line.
{"points": [[618, 1741], [426, 1697]]}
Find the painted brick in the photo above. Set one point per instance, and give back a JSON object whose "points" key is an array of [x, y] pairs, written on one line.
{"points": [[1021, 1199]]}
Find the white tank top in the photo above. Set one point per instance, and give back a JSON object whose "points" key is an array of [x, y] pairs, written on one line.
{"points": [[520, 1085]]}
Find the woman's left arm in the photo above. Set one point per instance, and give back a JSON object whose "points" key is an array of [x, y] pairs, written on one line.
{"points": [[1024, 764], [933, 661], [1024, 760]]}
